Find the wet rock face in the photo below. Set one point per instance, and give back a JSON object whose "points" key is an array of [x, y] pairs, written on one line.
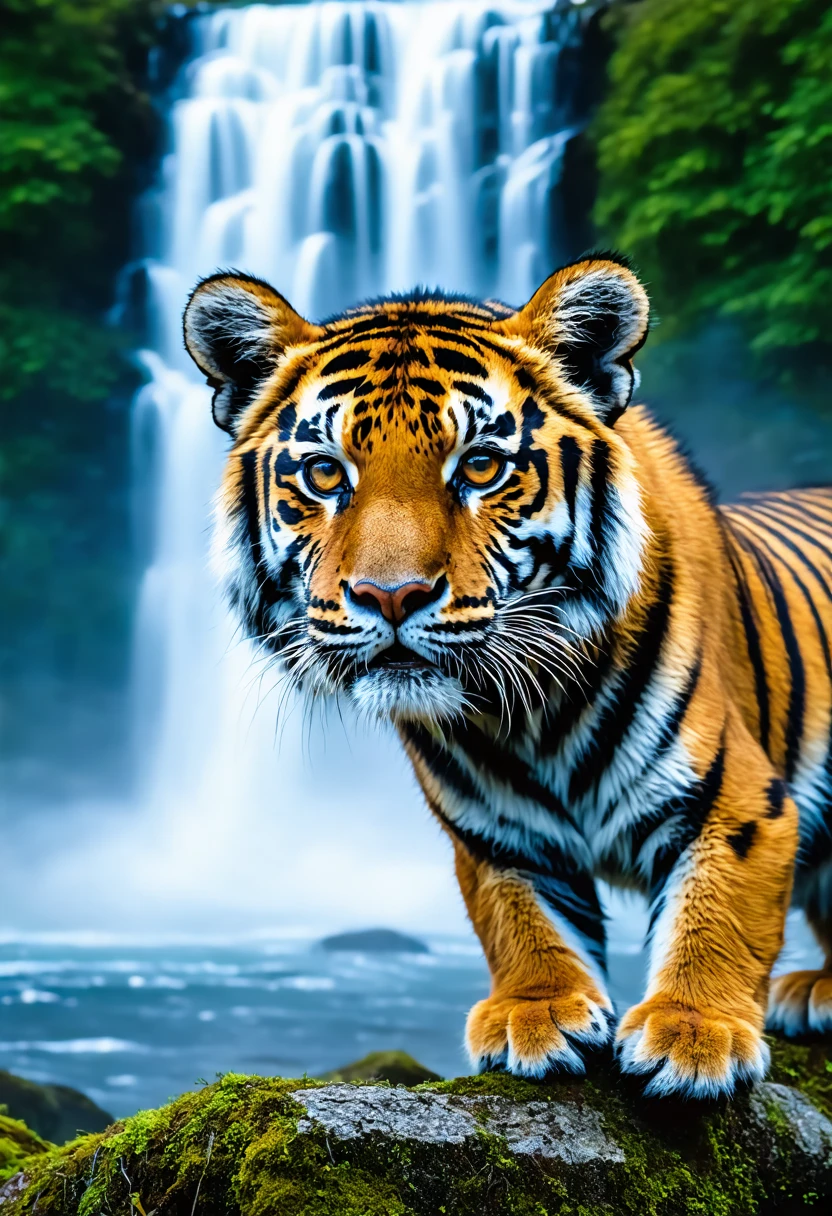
{"points": [[801, 1147], [547, 1130]]}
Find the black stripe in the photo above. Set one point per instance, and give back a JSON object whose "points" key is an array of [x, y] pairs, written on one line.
{"points": [[504, 352], [432, 387], [560, 724], [473, 390], [752, 639], [822, 543], [347, 362], [691, 810], [775, 797], [667, 736], [819, 625], [454, 361], [570, 457], [258, 620], [600, 463], [742, 840], [797, 692], [806, 511], [280, 393], [441, 763], [440, 334], [784, 540], [570, 892], [617, 718], [340, 388], [486, 756], [251, 506]]}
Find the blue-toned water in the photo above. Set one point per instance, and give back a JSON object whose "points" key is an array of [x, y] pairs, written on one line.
{"points": [[134, 1023]]}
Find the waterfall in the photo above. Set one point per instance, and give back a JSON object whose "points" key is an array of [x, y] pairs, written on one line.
{"points": [[339, 150]]}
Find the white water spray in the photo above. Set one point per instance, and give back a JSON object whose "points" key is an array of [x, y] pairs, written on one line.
{"points": [[339, 150]]}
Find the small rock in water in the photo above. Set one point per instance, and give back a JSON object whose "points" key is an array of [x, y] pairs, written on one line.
{"points": [[375, 941], [397, 1067]]}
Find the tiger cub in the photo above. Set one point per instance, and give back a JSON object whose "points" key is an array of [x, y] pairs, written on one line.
{"points": [[446, 512]]}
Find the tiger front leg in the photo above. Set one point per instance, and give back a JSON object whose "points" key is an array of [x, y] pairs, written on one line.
{"points": [[718, 925], [548, 1005]]}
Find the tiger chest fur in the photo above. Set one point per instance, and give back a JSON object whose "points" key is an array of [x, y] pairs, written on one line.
{"points": [[445, 513]]}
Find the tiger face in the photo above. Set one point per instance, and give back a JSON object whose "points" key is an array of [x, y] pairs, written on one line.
{"points": [[425, 505]]}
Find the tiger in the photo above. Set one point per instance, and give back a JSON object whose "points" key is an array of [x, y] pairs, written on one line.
{"points": [[451, 515]]}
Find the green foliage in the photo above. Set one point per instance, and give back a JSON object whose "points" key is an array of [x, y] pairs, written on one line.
{"points": [[75, 125], [70, 110], [715, 161]]}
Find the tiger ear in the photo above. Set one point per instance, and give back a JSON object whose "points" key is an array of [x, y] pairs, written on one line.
{"points": [[236, 329], [591, 317]]}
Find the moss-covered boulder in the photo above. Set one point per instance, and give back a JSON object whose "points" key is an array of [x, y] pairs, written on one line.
{"points": [[397, 1067], [55, 1112], [480, 1146]]}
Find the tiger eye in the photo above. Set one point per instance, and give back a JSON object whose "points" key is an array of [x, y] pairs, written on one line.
{"points": [[324, 475], [482, 468]]}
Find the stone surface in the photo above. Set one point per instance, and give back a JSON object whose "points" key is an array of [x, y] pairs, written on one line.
{"points": [[549, 1130], [350, 1112], [810, 1130]]}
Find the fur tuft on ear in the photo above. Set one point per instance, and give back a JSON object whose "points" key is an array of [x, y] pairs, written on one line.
{"points": [[591, 317], [236, 329]]}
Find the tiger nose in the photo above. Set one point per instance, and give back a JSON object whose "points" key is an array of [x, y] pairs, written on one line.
{"points": [[394, 603]]}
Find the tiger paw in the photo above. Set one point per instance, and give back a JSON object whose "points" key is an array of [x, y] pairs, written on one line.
{"points": [[690, 1053], [801, 1003], [531, 1038]]}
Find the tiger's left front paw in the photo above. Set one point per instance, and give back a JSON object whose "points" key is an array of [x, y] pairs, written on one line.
{"points": [[689, 1053]]}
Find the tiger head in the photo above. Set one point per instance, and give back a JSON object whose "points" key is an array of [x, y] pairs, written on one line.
{"points": [[425, 504]]}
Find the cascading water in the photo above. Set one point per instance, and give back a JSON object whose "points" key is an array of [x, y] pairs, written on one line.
{"points": [[338, 150]]}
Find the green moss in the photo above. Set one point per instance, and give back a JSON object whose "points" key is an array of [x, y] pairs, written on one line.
{"points": [[235, 1147], [501, 1085], [17, 1144], [280, 1175], [397, 1067], [804, 1066]]}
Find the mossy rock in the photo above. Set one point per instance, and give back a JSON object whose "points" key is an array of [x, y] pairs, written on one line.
{"points": [[477, 1146], [56, 1112], [397, 1067], [17, 1144]]}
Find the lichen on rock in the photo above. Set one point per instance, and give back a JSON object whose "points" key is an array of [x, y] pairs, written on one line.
{"points": [[476, 1146]]}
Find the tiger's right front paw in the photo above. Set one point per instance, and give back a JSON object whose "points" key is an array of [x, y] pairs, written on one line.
{"points": [[531, 1038]]}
